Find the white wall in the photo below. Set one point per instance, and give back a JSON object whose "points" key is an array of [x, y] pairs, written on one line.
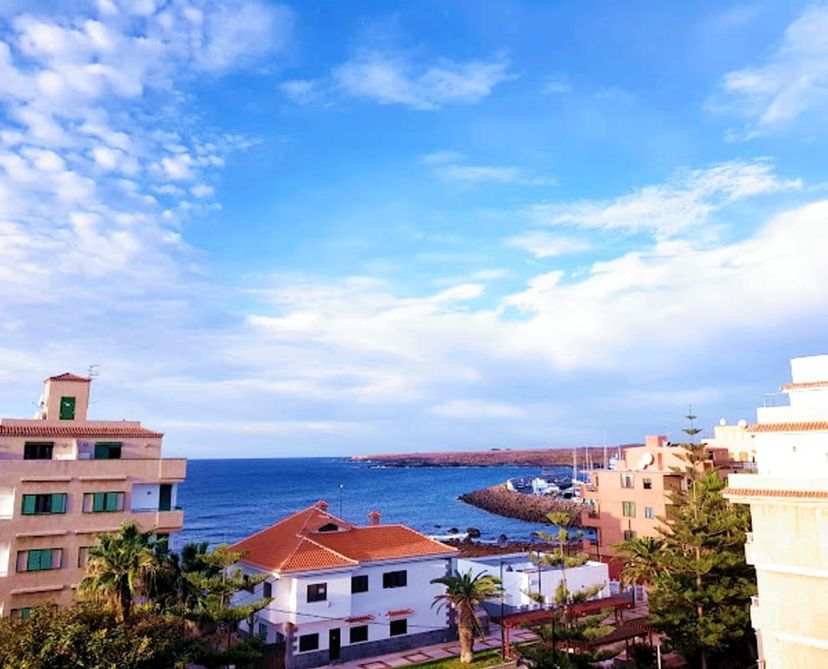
{"points": [[6, 502], [4, 558], [144, 496]]}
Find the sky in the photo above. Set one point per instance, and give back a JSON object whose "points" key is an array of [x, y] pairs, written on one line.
{"points": [[328, 228]]}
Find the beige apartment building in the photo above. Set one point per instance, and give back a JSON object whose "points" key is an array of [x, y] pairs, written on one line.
{"points": [[63, 480], [788, 499], [627, 501]]}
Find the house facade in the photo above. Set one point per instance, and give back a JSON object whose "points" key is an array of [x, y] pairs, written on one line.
{"points": [[788, 498], [343, 591], [63, 480]]}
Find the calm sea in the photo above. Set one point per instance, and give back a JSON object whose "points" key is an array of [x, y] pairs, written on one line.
{"points": [[225, 500]]}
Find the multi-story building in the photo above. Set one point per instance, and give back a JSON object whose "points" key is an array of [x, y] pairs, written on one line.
{"points": [[788, 499], [63, 480], [627, 501], [343, 591]]}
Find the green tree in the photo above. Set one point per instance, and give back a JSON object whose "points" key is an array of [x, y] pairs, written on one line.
{"points": [[120, 567], [463, 594], [700, 583], [87, 636], [558, 558], [215, 583], [643, 558], [170, 589]]}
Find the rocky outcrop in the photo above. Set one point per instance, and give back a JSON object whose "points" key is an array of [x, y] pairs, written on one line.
{"points": [[531, 508], [540, 457]]}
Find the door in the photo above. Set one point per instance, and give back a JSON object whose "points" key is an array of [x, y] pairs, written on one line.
{"points": [[165, 497], [334, 644]]}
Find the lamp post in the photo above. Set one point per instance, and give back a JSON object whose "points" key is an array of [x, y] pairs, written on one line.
{"points": [[503, 612]]}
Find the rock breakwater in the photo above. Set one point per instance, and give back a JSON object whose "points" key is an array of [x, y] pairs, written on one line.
{"points": [[500, 500]]}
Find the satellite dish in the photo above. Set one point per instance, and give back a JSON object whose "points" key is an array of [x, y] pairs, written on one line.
{"points": [[742, 423], [722, 422], [647, 459]]}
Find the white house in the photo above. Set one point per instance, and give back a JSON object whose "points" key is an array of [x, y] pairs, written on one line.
{"points": [[342, 591], [521, 577]]}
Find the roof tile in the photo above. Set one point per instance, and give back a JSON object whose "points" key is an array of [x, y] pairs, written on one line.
{"points": [[77, 431], [806, 426]]}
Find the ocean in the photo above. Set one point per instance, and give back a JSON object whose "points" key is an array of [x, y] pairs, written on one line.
{"points": [[226, 500]]}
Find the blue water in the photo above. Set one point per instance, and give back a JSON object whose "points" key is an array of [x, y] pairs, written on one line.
{"points": [[226, 500]]}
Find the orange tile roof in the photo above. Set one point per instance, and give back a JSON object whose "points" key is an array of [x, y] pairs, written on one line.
{"points": [[804, 386], [68, 376], [766, 492], [807, 426], [77, 431], [399, 612], [296, 544]]}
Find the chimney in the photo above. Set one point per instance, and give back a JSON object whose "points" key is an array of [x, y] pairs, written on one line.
{"points": [[322, 505], [374, 517]]}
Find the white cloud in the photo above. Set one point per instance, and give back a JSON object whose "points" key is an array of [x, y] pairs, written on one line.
{"points": [[555, 84], [300, 91], [793, 81], [545, 245], [452, 166], [390, 78], [477, 410], [685, 201]]}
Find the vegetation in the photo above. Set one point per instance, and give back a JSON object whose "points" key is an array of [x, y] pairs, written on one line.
{"points": [[142, 607], [699, 581], [464, 593], [485, 658], [559, 558]]}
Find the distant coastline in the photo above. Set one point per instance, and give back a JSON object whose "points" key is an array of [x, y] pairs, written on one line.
{"points": [[538, 457]]}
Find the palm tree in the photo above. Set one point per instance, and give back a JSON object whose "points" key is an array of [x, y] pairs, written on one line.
{"points": [[643, 559], [120, 567], [464, 593]]}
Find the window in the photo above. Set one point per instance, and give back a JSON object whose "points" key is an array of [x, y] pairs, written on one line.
{"points": [[628, 509], [398, 627], [34, 450], [629, 535], [318, 592], [627, 481], [21, 613], [165, 497], [108, 450], [648, 512], [97, 502], [359, 584], [329, 527], [395, 579], [263, 630], [308, 642], [359, 634], [267, 589], [39, 559], [648, 484], [67, 408], [34, 505], [83, 555]]}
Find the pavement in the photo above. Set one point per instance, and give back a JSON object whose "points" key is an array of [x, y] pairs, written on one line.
{"points": [[440, 651]]}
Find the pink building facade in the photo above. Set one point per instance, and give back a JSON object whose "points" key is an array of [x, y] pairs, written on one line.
{"points": [[65, 479]]}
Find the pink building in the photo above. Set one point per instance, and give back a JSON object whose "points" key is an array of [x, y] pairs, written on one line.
{"points": [[65, 479]]}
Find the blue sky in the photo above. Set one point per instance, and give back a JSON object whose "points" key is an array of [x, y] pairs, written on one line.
{"points": [[336, 228]]}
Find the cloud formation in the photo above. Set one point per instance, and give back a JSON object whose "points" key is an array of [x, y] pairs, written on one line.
{"points": [[454, 166]]}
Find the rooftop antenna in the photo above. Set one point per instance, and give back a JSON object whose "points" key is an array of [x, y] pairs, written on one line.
{"points": [[93, 372]]}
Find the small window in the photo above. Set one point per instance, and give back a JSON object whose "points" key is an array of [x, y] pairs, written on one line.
{"points": [[648, 512], [329, 527], [99, 502], [40, 559], [627, 481], [67, 408], [21, 613], [267, 589], [648, 484], [317, 592], [83, 556], [359, 584], [308, 642], [395, 579], [398, 627], [628, 509], [37, 450], [359, 634], [629, 535], [108, 450], [43, 504]]}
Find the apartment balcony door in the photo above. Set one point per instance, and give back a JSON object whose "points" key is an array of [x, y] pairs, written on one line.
{"points": [[165, 497], [334, 644]]}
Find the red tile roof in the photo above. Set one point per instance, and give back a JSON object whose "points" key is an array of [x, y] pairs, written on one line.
{"points": [[808, 426], [766, 492], [296, 544], [804, 386], [68, 376], [360, 619], [399, 612], [70, 431]]}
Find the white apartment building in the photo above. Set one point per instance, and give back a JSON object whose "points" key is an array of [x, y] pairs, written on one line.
{"points": [[342, 591], [788, 498]]}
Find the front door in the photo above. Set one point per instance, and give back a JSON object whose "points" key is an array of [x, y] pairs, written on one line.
{"points": [[334, 643]]}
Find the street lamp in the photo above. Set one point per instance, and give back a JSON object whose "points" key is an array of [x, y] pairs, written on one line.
{"points": [[502, 612]]}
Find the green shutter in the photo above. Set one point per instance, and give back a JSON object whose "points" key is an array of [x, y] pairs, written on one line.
{"points": [[101, 452], [29, 502], [111, 501], [33, 561], [67, 408], [99, 502], [59, 502]]}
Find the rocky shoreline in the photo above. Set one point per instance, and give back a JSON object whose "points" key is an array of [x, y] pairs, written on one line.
{"points": [[540, 457], [500, 500]]}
